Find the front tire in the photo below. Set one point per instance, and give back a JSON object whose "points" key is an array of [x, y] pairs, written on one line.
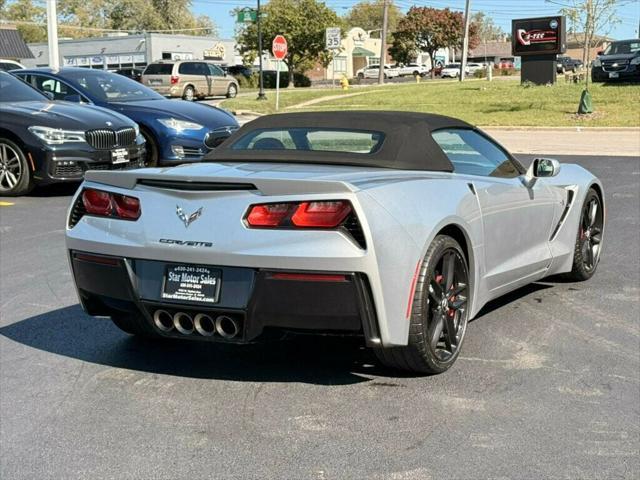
{"points": [[232, 91], [588, 246], [439, 312], [15, 176], [152, 149]]}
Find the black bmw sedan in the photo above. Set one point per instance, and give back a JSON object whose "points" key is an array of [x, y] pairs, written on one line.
{"points": [[42, 141]]}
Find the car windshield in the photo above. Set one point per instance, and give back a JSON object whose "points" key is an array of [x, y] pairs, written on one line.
{"points": [[623, 48], [311, 139], [14, 90], [111, 87]]}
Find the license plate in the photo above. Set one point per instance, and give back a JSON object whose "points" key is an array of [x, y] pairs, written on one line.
{"points": [[120, 155], [155, 82], [191, 283], [614, 75]]}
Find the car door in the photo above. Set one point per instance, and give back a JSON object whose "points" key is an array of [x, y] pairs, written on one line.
{"points": [[517, 220], [218, 80]]}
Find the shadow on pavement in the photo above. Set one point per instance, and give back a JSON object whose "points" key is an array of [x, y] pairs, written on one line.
{"points": [[55, 190], [511, 297], [308, 359]]}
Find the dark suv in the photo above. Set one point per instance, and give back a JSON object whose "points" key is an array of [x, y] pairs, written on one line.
{"points": [[567, 64], [620, 61]]}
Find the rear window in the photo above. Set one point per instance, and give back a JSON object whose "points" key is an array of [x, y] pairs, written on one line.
{"points": [[311, 139], [159, 69]]}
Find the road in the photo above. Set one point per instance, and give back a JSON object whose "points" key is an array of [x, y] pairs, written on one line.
{"points": [[547, 386]]}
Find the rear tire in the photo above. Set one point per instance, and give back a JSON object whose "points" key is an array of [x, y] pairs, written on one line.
{"points": [[189, 94], [15, 176], [232, 90], [586, 255], [439, 312]]}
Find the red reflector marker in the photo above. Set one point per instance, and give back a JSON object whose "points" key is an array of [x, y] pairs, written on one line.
{"points": [[97, 202], [309, 277], [268, 215], [328, 214], [127, 207], [97, 259]]}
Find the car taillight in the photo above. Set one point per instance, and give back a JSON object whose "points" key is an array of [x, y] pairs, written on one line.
{"points": [[106, 204], [174, 79], [320, 214]]}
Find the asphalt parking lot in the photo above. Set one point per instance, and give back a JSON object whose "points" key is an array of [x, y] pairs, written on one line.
{"points": [[547, 386]]}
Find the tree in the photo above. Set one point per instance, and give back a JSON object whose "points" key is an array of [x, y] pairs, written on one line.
{"points": [[403, 48], [487, 30], [432, 29], [27, 11], [368, 16], [592, 17], [302, 22]]}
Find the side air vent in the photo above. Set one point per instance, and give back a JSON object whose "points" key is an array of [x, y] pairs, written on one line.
{"points": [[352, 225], [567, 207], [77, 212], [196, 186]]}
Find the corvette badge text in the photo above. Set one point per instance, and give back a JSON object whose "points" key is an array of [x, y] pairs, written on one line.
{"points": [[187, 243]]}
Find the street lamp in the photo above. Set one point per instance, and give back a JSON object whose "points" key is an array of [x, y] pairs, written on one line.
{"points": [[261, 95]]}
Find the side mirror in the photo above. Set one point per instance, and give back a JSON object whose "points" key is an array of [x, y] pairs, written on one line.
{"points": [[541, 168], [49, 95], [73, 98], [599, 52]]}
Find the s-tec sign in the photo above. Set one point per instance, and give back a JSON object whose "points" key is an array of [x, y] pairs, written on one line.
{"points": [[538, 36]]}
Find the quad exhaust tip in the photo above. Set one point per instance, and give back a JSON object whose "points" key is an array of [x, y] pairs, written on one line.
{"points": [[163, 320], [183, 323], [224, 325]]}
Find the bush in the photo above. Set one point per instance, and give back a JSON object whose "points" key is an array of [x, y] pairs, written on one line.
{"points": [[480, 73], [244, 82], [299, 79], [507, 72]]}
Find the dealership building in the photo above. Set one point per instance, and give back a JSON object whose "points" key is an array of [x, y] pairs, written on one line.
{"points": [[128, 51]]}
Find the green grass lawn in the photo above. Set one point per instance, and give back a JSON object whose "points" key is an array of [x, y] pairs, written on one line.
{"points": [[501, 102]]}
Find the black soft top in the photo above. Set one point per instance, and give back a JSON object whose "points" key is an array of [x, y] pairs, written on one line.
{"points": [[408, 144]]}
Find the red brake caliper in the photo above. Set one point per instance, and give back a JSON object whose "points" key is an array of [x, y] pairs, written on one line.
{"points": [[439, 278]]}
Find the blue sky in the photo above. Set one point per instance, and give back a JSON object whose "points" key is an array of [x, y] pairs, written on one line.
{"points": [[502, 11]]}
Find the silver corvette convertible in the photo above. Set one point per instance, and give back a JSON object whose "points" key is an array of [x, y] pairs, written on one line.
{"points": [[395, 226]]}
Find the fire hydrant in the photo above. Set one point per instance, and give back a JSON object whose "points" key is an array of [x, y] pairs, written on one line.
{"points": [[344, 82]]}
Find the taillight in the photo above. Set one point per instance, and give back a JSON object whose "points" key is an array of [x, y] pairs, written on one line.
{"points": [[106, 204], [320, 214], [174, 79]]}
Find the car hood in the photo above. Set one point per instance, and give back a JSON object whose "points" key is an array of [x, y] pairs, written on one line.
{"points": [[621, 56], [179, 109], [66, 115]]}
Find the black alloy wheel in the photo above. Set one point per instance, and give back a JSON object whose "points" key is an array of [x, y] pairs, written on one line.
{"points": [[151, 155], [588, 245], [15, 176]]}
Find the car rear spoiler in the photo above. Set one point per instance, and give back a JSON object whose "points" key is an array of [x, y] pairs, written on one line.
{"points": [[267, 186]]}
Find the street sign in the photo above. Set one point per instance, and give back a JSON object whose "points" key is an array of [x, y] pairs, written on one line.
{"points": [[279, 47], [246, 15], [333, 38]]}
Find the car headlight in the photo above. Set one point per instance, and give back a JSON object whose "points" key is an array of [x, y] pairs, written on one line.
{"points": [[635, 61], [180, 125], [596, 63], [57, 136]]}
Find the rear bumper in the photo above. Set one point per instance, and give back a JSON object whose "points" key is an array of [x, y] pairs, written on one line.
{"points": [[322, 302]]}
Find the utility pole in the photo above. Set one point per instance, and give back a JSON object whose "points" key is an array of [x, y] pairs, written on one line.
{"points": [[52, 34], [383, 41], [465, 42], [261, 95]]}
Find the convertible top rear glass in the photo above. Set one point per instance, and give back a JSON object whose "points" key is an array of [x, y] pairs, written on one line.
{"points": [[397, 140]]}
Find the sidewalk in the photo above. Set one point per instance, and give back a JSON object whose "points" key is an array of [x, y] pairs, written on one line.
{"points": [[569, 140]]}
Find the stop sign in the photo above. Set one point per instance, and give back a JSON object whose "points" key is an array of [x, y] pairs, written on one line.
{"points": [[279, 47]]}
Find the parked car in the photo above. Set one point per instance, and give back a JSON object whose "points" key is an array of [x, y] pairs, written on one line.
{"points": [[414, 69], [452, 70], [8, 65], [239, 71], [506, 63], [189, 79], [293, 240], [474, 67], [372, 72], [132, 73], [566, 64], [619, 61], [175, 131], [42, 141]]}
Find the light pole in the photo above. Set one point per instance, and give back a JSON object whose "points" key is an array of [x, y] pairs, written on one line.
{"points": [[261, 95], [383, 42], [52, 34], [465, 43]]}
